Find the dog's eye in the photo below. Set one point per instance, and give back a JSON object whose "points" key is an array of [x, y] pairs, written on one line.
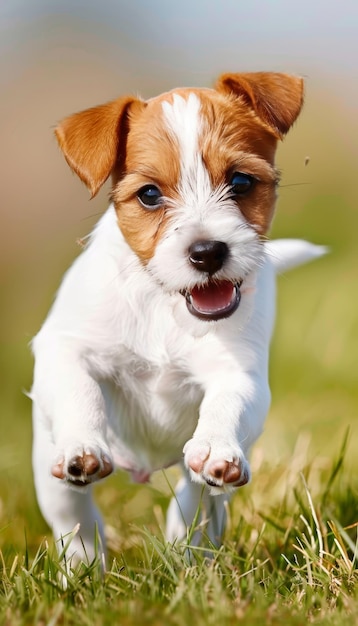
{"points": [[150, 196], [241, 183]]}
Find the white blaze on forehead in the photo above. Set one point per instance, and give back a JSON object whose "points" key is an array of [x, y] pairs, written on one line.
{"points": [[183, 119]]}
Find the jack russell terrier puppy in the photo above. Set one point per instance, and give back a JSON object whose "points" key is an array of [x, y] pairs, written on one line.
{"points": [[156, 349]]}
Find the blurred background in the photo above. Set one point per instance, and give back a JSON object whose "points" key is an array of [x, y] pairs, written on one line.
{"points": [[60, 56]]}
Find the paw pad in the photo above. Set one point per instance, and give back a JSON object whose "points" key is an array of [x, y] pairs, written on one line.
{"points": [[217, 465], [83, 469]]}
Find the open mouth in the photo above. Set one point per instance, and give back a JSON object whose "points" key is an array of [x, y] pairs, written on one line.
{"points": [[213, 301]]}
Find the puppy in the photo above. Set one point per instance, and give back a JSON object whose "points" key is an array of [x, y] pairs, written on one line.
{"points": [[156, 348]]}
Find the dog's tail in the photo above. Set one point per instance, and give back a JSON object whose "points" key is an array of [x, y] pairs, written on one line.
{"points": [[286, 254]]}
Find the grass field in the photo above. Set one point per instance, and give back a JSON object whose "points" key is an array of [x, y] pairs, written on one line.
{"points": [[290, 551], [289, 556]]}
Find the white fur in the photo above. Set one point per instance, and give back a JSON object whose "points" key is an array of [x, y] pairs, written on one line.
{"points": [[185, 124], [124, 371], [182, 117]]}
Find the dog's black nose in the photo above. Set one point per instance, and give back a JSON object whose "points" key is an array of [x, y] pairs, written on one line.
{"points": [[208, 256]]}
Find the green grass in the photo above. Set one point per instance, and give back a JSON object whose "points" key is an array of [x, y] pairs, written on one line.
{"points": [[291, 563]]}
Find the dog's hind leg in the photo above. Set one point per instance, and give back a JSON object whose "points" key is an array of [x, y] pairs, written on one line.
{"points": [[194, 515], [65, 508]]}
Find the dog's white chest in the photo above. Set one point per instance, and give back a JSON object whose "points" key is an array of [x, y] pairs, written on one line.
{"points": [[152, 411]]}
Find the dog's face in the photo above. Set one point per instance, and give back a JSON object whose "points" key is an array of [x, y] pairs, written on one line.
{"points": [[194, 181]]}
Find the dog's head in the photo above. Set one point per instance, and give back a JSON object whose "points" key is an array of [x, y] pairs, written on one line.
{"points": [[194, 180]]}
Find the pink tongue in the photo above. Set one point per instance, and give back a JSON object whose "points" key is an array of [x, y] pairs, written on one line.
{"points": [[213, 297]]}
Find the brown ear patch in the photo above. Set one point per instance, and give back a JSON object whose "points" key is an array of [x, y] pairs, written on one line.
{"points": [[276, 98], [91, 139]]}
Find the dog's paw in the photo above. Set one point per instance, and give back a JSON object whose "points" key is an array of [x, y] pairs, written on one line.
{"points": [[80, 465], [220, 465]]}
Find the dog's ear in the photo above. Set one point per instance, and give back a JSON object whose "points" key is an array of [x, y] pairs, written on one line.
{"points": [[93, 140], [276, 98]]}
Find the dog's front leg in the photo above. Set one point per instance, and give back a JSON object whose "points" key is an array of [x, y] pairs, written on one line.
{"points": [[216, 456], [71, 404], [231, 418]]}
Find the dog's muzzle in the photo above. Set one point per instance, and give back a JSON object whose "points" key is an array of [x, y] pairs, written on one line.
{"points": [[216, 299]]}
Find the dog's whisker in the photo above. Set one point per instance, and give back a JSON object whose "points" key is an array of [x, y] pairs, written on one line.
{"points": [[294, 185], [91, 216]]}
